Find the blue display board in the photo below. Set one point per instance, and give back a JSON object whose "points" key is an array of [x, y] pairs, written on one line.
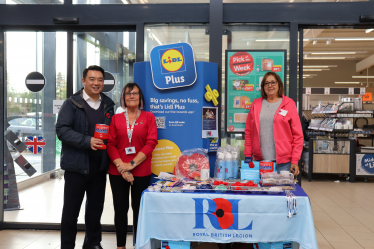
{"points": [[178, 113]]}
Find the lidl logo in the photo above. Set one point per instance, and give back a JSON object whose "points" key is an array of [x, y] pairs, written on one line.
{"points": [[172, 59], [173, 65]]}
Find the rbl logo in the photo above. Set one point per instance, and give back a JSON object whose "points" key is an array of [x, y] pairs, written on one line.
{"points": [[222, 214], [172, 60]]}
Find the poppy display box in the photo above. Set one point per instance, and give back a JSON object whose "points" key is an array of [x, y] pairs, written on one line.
{"points": [[274, 245], [168, 244]]}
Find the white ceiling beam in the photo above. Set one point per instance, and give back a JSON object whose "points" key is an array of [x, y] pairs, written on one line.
{"points": [[365, 63]]}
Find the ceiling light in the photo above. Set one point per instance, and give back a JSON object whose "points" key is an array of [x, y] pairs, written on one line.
{"points": [[364, 77], [327, 58], [347, 82], [328, 42], [355, 39], [314, 42], [275, 40], [368, 30], [333, 53], [324, 66]]}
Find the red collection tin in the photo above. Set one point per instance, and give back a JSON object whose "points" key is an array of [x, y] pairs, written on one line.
{"points": [[102, 131], [266, 166]]}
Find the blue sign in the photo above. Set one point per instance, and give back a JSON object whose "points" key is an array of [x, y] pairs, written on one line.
{"points": [[173, 66], [367, 163]]}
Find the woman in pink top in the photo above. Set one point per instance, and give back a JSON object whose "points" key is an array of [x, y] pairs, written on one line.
{"points": [[132, 138], [273, 129]]}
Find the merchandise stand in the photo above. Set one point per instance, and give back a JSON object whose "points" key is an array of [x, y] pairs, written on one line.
{"points": [[254, 218]]}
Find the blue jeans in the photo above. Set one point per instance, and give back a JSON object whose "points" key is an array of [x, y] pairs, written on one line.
{"points": [[283, 166]]}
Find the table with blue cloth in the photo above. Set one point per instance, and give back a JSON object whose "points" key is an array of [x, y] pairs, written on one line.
{"points": [[224, 218]]}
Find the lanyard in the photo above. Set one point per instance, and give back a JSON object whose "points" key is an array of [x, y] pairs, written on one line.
{"points": [[130, 128]]}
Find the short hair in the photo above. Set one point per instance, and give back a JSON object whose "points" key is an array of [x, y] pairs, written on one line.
{"points": [[278, 79], [93, 68], [131, 86]]}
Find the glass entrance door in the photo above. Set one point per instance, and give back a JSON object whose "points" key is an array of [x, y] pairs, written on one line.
{"points": [[36, 79], [35, 76]]}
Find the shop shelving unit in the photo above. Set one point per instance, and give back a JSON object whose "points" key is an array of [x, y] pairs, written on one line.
{"points": [[332, 132]]}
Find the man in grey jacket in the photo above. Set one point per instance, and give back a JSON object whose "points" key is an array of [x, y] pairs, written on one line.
{"points": [[85, 165]]}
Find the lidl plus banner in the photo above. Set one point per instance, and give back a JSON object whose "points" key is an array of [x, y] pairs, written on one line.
{"points": [[173, 66], [244, 72]]}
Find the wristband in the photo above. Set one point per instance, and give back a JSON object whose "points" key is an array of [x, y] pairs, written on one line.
{"points": [[248, 159]]}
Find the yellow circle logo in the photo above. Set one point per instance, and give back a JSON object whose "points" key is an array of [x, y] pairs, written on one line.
{"points": [[172, 60], [164, 156]]}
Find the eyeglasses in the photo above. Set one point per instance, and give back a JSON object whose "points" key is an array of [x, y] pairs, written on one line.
{"points": [[270, 83], [133, 94]]}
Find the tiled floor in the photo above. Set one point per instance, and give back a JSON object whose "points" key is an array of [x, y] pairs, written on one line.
{"points": [[44, 202], [31, 239], [343, 215]]}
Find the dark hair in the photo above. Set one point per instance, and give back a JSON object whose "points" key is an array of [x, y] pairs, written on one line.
{"points": [[131, 86], [93, 68], [277, 78]]}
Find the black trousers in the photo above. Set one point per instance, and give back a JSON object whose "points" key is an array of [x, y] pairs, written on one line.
{"points": [[76, 185], [120, 190]]}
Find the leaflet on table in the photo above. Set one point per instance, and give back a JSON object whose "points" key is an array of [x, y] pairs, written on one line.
{"points": [[244, 73]]}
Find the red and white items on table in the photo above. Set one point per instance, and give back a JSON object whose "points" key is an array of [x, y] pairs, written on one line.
{"points": [[275, 179], [266, 166], [101, 132], [191, 162]]}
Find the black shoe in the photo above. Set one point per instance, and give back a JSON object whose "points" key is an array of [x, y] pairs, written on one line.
{"points": [[93, 247]]}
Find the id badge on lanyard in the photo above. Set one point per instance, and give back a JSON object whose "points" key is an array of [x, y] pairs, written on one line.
{"points": [[130, 129]]}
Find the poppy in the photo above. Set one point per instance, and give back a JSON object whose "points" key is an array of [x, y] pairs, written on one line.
{"points": [[190, 166], [223, 213], [108, 115]]}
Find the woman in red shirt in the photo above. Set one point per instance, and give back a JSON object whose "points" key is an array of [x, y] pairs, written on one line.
{"points": [[132, 138]]}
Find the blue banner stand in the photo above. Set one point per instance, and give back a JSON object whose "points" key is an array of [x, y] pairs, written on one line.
{"points": [[183, 105]]}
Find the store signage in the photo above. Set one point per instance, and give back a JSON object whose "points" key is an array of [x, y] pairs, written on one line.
{"points": [[351, 90], [362, 90], [173, 66], [308, 90], [222, 214], [179, 114], [35, 81], [327, 90], [109, 82], [244, 72], [365, 164], [57, 105], [366, 97]]}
